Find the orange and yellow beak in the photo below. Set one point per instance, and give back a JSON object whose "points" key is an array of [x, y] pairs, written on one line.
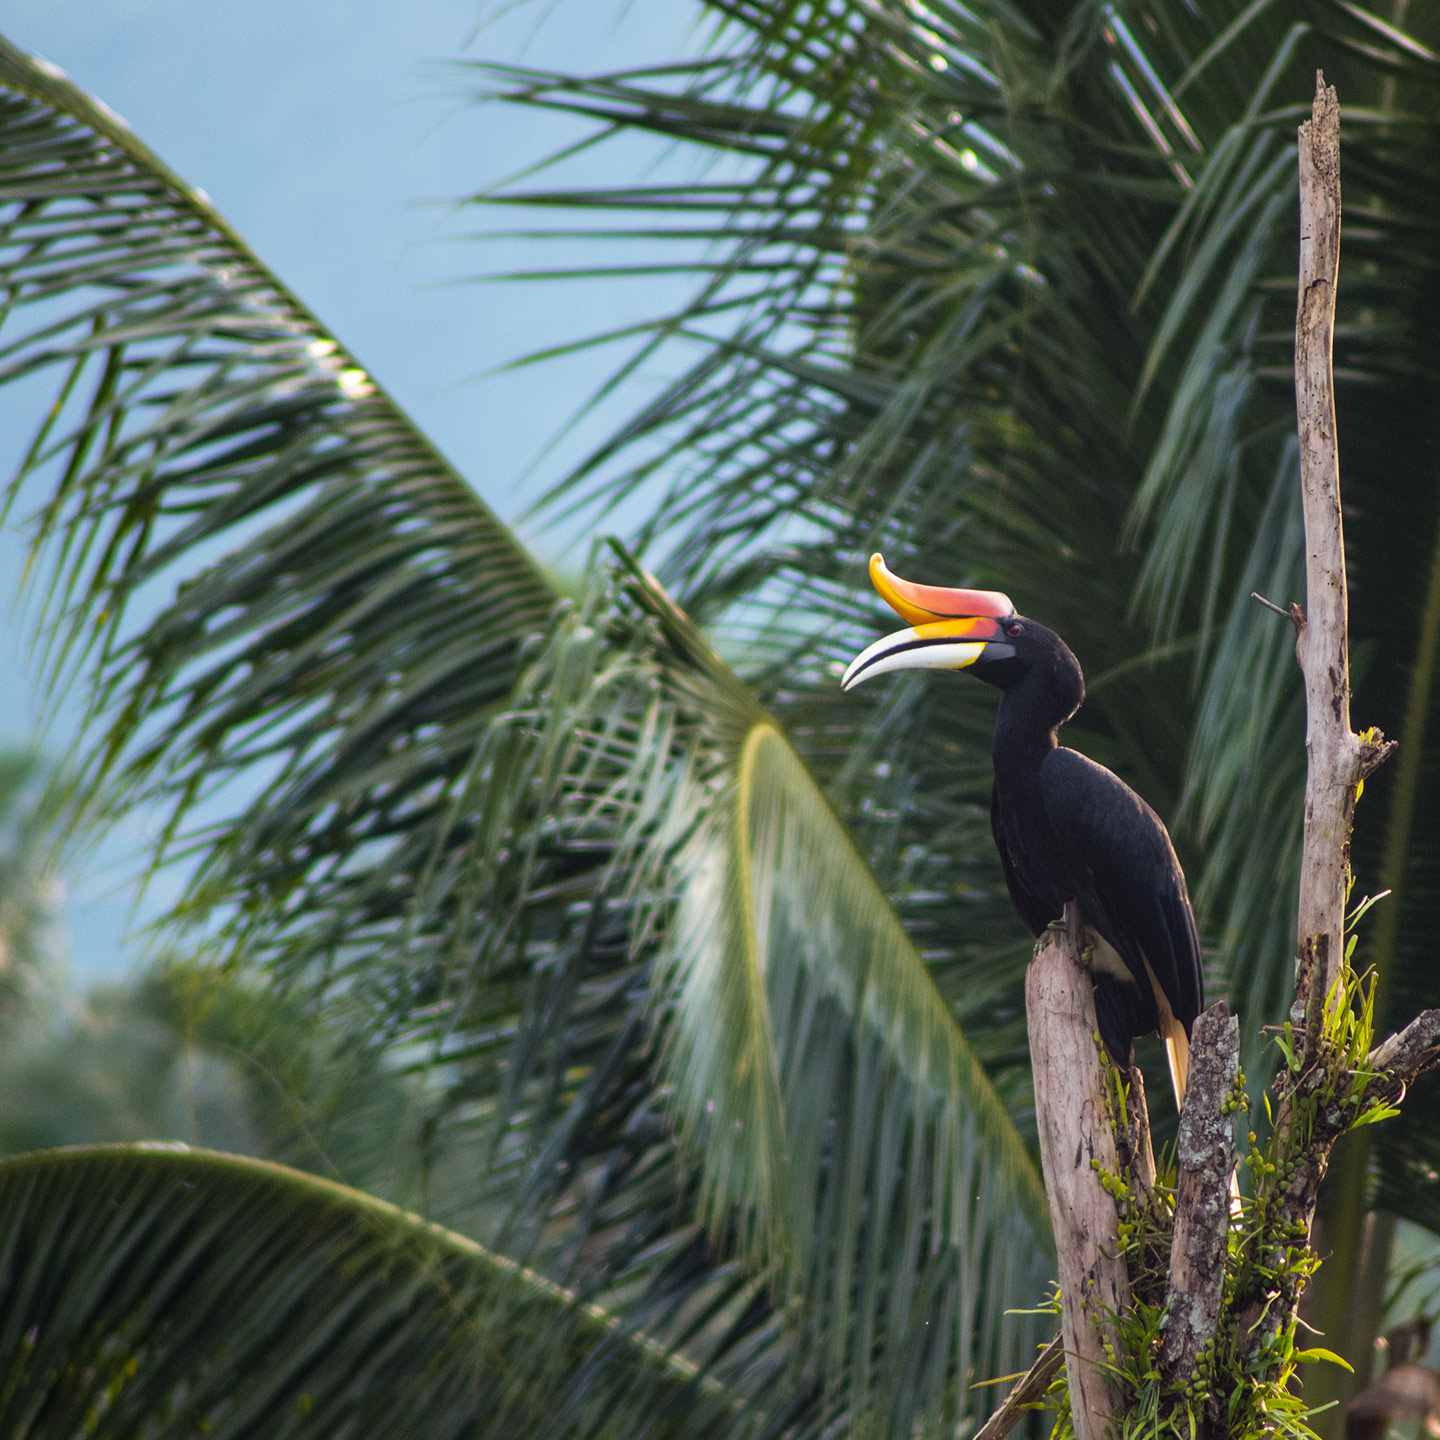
{"points": [[949, 629]]}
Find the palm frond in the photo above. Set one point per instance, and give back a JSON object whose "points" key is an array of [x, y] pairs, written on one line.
{"points": [[1031, 293], [804, 1012], [199, 408], [462, 823], [816, 1077], [158, 1290]]}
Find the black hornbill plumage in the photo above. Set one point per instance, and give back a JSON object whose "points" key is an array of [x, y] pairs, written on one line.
{"points": [[1066, 828]]}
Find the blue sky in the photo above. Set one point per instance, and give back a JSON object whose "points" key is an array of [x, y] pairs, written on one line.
{"points": [[333, 135]]}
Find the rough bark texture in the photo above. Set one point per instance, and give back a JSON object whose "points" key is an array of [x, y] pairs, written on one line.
{"points": [[1307, 1011], [1205, 1155], [1075, 1131]]}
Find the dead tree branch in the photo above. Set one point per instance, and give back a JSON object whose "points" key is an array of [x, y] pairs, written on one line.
{"points": [[1028, 1390], [1333, 749], [1402, 1057]]}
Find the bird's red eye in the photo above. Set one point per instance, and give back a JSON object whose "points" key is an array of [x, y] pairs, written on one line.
{"points": [[1013, 628]]}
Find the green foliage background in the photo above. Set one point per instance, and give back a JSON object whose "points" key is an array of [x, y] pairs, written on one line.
{"points": [[698, 980]]}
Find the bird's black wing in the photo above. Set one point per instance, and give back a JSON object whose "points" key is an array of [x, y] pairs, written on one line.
{"points": [[1031, 908], [1127, 881]]}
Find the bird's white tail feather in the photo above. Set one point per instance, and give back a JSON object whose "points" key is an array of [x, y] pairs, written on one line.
{"points": [[1177, 1052]]}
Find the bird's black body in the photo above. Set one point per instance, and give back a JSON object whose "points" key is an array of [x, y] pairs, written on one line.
{"points": [[1067, 829]]}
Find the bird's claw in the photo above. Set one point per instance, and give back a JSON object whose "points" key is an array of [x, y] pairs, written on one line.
{"points": [[1060, 930]]}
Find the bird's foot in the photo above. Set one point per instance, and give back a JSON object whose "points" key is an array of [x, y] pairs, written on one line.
{"points": [[1060, 929]]}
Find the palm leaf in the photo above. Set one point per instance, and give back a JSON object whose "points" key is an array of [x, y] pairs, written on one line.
{"points": [[1095, 329], [804, 1015], [200, 405], [813, 1071], [1030, 292], [151, 1289], [459, 825]]}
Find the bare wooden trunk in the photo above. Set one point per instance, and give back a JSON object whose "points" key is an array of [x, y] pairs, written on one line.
{"points": [[1333, 749], [1337, 758], [1075, 1136]]}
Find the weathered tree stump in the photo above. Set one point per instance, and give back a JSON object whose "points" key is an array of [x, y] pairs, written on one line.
{"points": [[1205, 1160], [1077, 1149]]}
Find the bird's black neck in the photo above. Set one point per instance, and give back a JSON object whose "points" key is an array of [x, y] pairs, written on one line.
{"points": [[1041, 687], [1025, 728]]}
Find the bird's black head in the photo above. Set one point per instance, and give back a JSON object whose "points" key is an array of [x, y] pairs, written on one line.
{"points": [[1031, 657], [978, 631]]}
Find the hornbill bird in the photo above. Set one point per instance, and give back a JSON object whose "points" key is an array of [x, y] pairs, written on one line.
{"points": [[1066, 828]]}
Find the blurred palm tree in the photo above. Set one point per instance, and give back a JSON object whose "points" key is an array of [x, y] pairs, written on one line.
{"points": [[185, 1053], [31, 951], [549, 863], [708, 980]]}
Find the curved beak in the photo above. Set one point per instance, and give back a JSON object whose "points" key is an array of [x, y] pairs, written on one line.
{"points": [[949, 630], [920, 604]]}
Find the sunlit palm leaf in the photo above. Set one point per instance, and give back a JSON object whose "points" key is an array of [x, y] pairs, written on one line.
{"points": [[158, 1291], [814, 1071]]}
